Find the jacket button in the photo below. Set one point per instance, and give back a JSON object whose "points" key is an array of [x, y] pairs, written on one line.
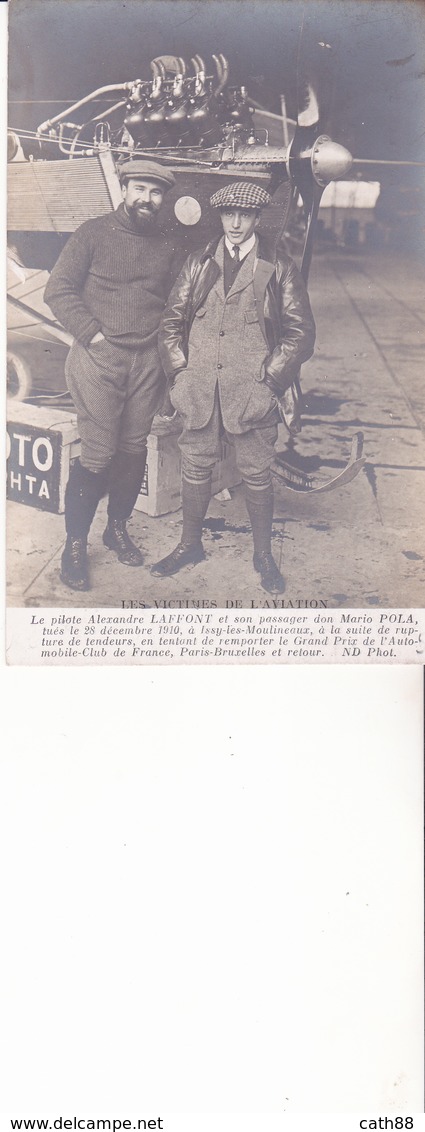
{"points": [[221, 333], [219, 366]]}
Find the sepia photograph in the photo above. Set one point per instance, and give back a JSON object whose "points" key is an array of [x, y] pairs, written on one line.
{"points": [[215, 304]]}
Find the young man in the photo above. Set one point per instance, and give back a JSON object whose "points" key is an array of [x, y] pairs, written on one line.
{"points": [[235, 331], [108, 290]]}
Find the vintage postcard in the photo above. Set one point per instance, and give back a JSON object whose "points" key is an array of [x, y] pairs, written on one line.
{"points": [[216, 326]]}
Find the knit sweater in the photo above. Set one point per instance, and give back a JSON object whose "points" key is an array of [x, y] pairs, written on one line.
{"points": [[114, 278]]}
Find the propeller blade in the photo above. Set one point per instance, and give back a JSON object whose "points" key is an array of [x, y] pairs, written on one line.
{"points": [[299, 164], [316, 196], [378, 161], [308, 108], [310, 170], [313, 159], [308, 126], [317, 66], [306, 132]]}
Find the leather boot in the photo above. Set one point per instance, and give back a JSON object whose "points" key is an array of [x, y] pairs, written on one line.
{"points": [[126, 476], [182, 555], [195, 499], [83, 492], [117, 538], [74, 565], [259, 504], [271, 577]]}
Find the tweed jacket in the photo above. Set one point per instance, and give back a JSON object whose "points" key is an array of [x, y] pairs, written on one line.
{"points": [[278, 315]]}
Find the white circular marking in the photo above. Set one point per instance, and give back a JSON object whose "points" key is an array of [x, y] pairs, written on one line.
{"points": [[188, 210]]}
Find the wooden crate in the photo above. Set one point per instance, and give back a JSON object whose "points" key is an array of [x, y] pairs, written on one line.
{"points": [[40, 445], [161, 488]]}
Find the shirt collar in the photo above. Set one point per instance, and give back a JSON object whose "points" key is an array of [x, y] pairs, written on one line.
{"points": [[244, 248]]}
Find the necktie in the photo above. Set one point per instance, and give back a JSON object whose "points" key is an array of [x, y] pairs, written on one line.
{"points": [[236, 252]]}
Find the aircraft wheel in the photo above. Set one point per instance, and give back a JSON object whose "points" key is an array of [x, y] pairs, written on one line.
{"points": [[18, 378]]}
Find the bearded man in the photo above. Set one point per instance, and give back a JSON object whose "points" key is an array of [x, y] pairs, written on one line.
{"points": [[108, 289]]}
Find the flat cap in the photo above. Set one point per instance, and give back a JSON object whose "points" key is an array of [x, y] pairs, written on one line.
{"points": [[151, 170], [242, 194]]}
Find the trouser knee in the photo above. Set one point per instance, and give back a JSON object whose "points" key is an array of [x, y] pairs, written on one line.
{"points": [[196, 474], [258, 480]]}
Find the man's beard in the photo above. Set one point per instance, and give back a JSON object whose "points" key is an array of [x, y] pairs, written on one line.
{"points": [[142, 220]]}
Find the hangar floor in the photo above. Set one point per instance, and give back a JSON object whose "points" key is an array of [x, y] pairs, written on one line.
{"points": [[358, 546]]}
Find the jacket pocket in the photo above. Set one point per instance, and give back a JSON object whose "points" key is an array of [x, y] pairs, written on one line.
{"points": [[252, 340], [260, 402], [250, 316]]}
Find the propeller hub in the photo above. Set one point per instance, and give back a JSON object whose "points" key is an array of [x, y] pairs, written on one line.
{"points": [[329, 161]]}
